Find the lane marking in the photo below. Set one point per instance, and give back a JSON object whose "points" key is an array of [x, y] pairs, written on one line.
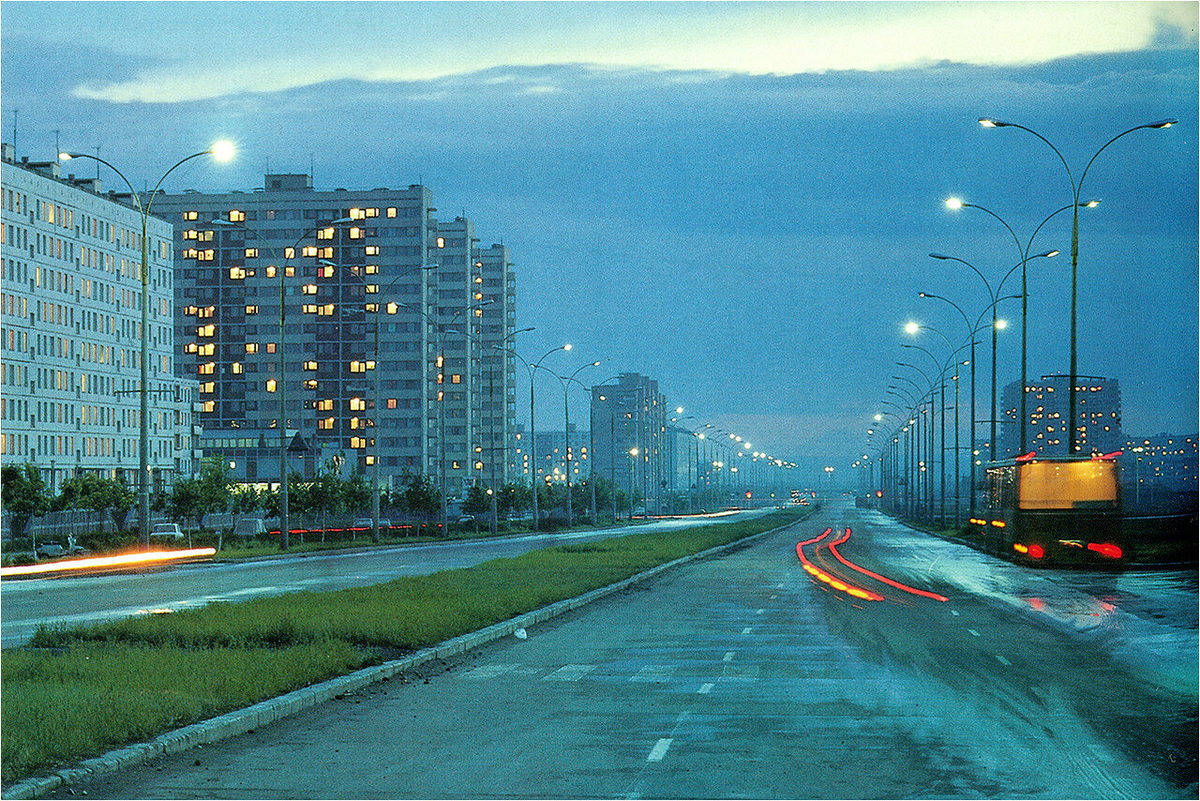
{"points": [[705, 688], [974, 633], [954, 612], [760, 611], [729, 656], [569, 673], [746, 630], [489, 671], [656, 674], [659, 750], [1003, 661]]}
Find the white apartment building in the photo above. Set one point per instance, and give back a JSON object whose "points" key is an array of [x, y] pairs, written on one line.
{"points": [[70, 320]]}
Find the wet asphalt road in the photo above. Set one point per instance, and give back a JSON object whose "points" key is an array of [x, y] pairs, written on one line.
{"points": [[80, 600], [744, 676]]}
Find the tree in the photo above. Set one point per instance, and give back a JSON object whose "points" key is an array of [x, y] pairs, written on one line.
{"points": [[24, 494], [184, 501], [514, 497], [90, 491], [214, 485], [420, 495], [477, 502]]}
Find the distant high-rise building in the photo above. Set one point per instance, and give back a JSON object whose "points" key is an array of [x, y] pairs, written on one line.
{"points": [[625, 416], [352, 267], [70, 328], [1098, 423], [1159, 469]]}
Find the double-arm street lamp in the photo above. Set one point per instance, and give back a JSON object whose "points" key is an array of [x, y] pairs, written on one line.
{"points": [[533, 462], [1076, 191], [377, 403], [281, 383], [221, 151], [566, 384]]}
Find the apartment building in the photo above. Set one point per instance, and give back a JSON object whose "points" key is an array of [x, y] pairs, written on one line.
{"points": [[70, 327]]}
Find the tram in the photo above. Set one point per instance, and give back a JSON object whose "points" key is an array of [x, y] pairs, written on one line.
{"points": [[1055, 511]]}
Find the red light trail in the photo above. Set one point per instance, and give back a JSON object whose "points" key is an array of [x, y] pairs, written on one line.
{"points": [[840, 584]]}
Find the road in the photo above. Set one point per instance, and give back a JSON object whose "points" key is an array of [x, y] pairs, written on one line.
{"points": [[746, 676], [77, 600]]}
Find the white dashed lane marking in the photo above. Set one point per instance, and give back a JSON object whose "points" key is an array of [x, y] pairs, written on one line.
{"points": [[1003, 661], [569, 673], [705, 689], [974, 633], [729, 656], [746, 630], [659, 750], [658, 674]]}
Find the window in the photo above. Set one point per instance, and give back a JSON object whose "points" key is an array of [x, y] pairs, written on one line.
{"points": [[309, 250], [357, 405], [236, 368], [456, 379], [355, 232], [270, 347], [205, 255], [271, 385], [325, 405], [251, 310], [207, 368], [371, 269], [323, 253], [289, 253], [310, 365], [251, 253], [237, 216], [441, 241], [357, 214], [208, 388], [206, 330], [326, 423], [251, 347], [237, 273], [204, 236], [372, 250], [391, 212], [309, 289], [310, 383], [189, 234], [309, 308], [190, 215], [392, 308], [326, 271], [271, 271], [391, 403]]}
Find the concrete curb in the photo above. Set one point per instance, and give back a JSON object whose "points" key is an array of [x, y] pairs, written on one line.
{"points": [[263, 713]]}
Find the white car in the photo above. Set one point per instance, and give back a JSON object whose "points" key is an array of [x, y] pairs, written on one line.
{"points": [[167, 530]]}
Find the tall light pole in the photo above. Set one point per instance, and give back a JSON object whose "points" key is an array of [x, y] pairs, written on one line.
{"points": [[281, 384], [566, 382], [221, 151], [1076, 190], [377, 486], [997, 324], [533, 368]]}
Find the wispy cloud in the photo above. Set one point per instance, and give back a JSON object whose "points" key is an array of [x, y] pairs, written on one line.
{"points": [[238, 48]]}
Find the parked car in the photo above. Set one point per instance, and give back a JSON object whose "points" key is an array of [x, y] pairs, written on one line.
{"points": [[366, 522], [53, 550], [166, 531]]}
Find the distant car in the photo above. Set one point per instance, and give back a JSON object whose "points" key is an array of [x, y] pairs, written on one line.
{"points": [[52, 550], [466, 519], [166, 530], [366, 522]]}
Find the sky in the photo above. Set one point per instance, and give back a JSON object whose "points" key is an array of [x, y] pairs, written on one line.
{"points": [[737, 199]]}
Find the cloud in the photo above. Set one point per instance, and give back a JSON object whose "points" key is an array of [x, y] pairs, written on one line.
{"points": [[203, 51]]}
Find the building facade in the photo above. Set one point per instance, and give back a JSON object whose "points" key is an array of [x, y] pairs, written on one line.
{"points": [[629, 420], [1098, 423], [71, 332], [354, 310], [1161, 471]]}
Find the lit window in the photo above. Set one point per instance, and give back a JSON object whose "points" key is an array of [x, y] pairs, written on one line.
{"points": [[289, 253], [456, 379], [205, 255], [210, 406], [208, 350], [326, 310], [190, 215], [357, 214], [189, 234], [310, 383], [391, 403], [236, 368], [251, 253], [189, 347], [251, 347], [191, 253], [309, 289], [357, 404], [441, 241], [372, 250], [391, 212], [236, 273], [391, 308], [326, 271], [356, 232], [237, 216], [270, 347], [271, 271], [205, 236], [208, 387], [371, 269], [208, 368], [271, 385], [251, 310], [325, 405], [309, 250], [370, 460], [309, 308], [289, 271], [326, 423], [357, 367], [310, 365], [372, 289], [355, 423], [325, 233], [372, 308], [325, 253], [206, 330], [372, 212]]}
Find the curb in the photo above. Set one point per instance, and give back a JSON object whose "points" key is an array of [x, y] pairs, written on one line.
{"points": [[263, 713]]}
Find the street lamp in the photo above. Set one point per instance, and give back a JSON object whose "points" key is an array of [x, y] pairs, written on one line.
{"points": [[221, 151], [281, 384], [1076, 190], [566, 381], [533, 368], [378, 488]]}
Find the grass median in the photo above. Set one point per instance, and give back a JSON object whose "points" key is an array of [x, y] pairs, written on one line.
{"points": [[74, 693]]}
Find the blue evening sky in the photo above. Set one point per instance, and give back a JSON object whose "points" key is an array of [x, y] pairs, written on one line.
{"points": [[738, 199]]}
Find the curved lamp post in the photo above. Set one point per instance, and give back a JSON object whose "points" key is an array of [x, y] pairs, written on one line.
{"points": [[221, 151], [1076, 190], [533, 368], [281, 386], [566, 382]]}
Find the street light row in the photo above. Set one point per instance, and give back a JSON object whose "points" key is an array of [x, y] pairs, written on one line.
{"points": [[904, 471]]}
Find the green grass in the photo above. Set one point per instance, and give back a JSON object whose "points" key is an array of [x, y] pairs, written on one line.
{"points": [[75, 693]]}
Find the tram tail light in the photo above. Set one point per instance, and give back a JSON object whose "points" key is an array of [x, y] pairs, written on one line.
{"points": [[1037, 551]]}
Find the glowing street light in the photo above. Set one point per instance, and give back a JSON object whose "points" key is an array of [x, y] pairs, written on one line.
{"points": [[221, 151]]}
